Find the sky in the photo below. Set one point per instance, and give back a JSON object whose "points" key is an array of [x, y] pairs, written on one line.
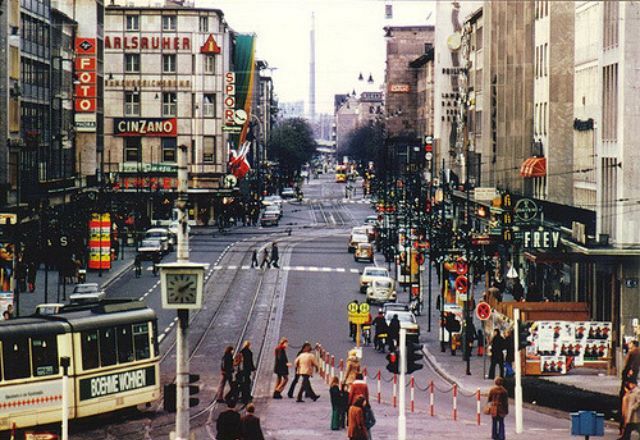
{"points": [[349, 40]]}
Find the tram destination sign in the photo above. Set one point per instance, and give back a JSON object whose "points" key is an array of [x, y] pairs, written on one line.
{"points": [[115, 383]]}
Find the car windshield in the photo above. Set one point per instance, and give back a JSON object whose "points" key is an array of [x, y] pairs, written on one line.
{"points": [[156, 234], [85, 288], [287, 190], [358, 237], [376, 272], [149, 243], [383, 284], [402, 316], [359, 230], [364, 246], [272, 208]]}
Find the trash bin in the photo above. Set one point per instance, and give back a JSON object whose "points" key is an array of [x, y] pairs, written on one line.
{"points": [[587, 423]]}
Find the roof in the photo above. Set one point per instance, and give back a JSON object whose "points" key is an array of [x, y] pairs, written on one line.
{"points": [[166, 6]]}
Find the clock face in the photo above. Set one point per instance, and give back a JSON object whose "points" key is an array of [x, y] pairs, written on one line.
{"points": [[182, 288]]}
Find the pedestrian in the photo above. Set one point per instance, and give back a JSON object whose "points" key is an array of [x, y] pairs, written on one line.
{"points": [[357, 428], [248, 367], [281, 368], [254, 258], [497, 357], [381, 333], [394, 332], [137, 264], [358, 388], [156, 260], [344, 405], [630, 420], [510, 357], [518, 290], [6, 315], [228, 425], [265, 258], [480, 337], [632, 361], [470, 333], [237, 383], [275, 255], [352, 369], [226, 373], [32, 271], [297, 374], [250, 425], [498, 408], [10, 311], [353, 328], [336, 403], [306, 364]]}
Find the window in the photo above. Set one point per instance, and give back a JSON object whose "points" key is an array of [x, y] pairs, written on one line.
{"points": [[169, 22], [168, 150], [132, 149], [15, 353], [610, 103], [141, 340], [169, 104], [537, 60], [125, 344], [132, 103], [132, 62], [535, 121], [133, 22], [546, 58], [44, 352], [544, 118], [169, 63], [204, 24], [89, 346], [209, 106], [107, 347], [209, 64], [209, 149]]}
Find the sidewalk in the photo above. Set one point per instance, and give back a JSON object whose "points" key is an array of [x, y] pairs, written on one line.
{"points": [[55, 292]]}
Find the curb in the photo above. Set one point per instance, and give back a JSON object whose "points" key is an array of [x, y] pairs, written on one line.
{"points": [[442, 372], [117, 275]]}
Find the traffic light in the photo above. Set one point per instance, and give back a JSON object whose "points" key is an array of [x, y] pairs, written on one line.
{"points": [[524, 334], [193, 390], [170, 397], [414, 355], [393, 362]]}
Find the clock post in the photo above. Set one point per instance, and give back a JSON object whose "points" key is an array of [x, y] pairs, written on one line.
{"points": [[182, 288]]}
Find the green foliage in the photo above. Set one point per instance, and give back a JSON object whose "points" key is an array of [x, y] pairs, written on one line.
{"points": [[292, 144], [364, 143]]}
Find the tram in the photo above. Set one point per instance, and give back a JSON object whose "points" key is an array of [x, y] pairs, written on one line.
{"points": [[114, 362]]}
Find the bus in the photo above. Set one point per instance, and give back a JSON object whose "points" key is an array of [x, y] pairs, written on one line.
{"points": [[114, 362], [341, 173]]}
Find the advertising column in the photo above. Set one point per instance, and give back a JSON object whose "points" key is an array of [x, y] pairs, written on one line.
{"points": [[100, 241]]}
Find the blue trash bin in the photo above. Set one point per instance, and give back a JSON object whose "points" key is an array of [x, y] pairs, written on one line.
{"points": [[587, 423]]}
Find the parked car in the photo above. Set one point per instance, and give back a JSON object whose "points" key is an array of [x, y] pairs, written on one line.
{"points": [[394, 306], [288, 193], [381, 290], [369, 274], [371, 220], [86, 293], [272, 200], [167, 239], [367, 230], [364, 251], [407, 321], [275, 209], [269, 219], [354, 239], [149, 247]]}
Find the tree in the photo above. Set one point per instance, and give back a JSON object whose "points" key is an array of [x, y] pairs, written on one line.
{"points": [[292, 145], [363, 143]]}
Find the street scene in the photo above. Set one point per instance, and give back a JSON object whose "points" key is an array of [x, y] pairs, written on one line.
{"points": [[202, 237]]}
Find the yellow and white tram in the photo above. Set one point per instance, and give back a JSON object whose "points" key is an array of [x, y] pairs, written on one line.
{"points": [[113, 348]]}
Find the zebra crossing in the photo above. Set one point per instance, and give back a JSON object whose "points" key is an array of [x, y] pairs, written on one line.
{"points": [[316, 269]]}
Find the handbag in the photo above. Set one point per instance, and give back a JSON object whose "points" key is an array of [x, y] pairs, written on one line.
{"points": [[369, 418], [487, 409]]}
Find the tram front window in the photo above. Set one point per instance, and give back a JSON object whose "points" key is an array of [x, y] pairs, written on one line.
{"points": [[15, 354], [44, 352]]}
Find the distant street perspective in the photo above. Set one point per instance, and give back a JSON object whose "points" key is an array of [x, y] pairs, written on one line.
{"points": [[202, 237]]}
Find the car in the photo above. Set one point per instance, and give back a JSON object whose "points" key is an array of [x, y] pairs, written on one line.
{"points": [[381, 290], [269, 219], [407, 321], [272, 200], [367, 230], [288, 193], [364, 251], [354, 239], [304, 174], [394, 306], [48, 309], [371, 220], [166, 238], [368, 275], [274, 209], [86, 293], [149, 247]]}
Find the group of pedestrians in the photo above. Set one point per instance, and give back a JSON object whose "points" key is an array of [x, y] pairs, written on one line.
{"points": [[270, 258], [232, 426], [499, 345], [236, 371], [305, 365]]}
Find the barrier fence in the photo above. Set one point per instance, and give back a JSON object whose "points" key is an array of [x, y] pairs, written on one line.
{"points": [[327, 370]]}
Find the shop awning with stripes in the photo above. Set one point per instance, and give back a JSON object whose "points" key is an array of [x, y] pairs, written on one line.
{"points": [[534, 167]]}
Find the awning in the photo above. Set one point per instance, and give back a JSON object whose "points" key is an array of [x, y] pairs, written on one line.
{"points": [[534, 167]]}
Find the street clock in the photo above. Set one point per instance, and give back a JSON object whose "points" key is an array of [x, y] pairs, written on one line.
{"points": [[182, 285]]}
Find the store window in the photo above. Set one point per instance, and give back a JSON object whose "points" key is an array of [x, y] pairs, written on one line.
{"points": [[169, 22], [132, 103], [132, 149], [169, 149], [169, 63], [133, 22], [169, 104], [209, 105], [209, 149], [132, 62]]}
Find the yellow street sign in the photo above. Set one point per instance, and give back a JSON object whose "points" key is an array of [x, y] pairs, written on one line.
{"points": [[352, 307], [364, 308], [358, 318]]}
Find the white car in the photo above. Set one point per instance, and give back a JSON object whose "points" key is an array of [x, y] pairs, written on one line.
{"points": [[356, 239], [407, 321], [272, 200], [369, 274], [166, 238], [288, 193], [381, 290], [149, 247], [274, 209], [86, 293]]}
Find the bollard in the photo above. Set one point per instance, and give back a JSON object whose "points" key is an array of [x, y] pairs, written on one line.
{"points": [[379, 386], [321, 362], [432, 408], [478, 406], [327, 374], [333, 368], [395, 390], [455, 402], [412, 384], [341, 370], [326, 361]]}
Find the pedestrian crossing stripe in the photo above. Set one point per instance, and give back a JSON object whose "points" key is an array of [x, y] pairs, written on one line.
{"points": [[294, 269]]}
